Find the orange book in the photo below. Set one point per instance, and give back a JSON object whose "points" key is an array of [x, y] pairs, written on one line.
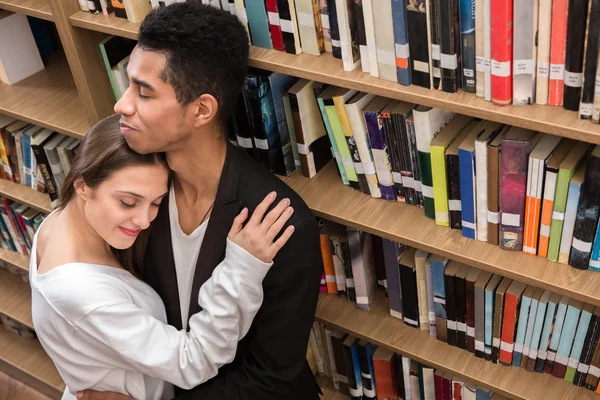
{"points": [[512, 307], [558, 43], [533, 207], [384, 366], [327, 256]]}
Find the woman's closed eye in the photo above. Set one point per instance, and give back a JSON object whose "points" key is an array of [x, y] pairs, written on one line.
{"points": [[127, 205]]}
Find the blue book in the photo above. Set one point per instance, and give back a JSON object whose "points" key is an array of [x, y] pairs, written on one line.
{"points": [[356, 365], [594, 264], [334, 147], [549, 321], [582, 328], [490, 295], [371, 349], [538, 325], [522, 325], [535, 302], [566, 338], [280, 84], [26, 152], [391, 255], [468, 194], [483, 394], [438, 267], [561, 315], [401, 40], [467, 33], [258, 23]]}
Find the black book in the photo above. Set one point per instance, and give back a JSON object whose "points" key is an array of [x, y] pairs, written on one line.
{"points": [[587, 214], [289, 43], [591, 62], [367, 384], [355, 392], [577, 18], [243, 124], [591, 340], [334, 29], [460, 291], [416, 19], [450, 57], [436, 42], [408, 283], [449, 280]]}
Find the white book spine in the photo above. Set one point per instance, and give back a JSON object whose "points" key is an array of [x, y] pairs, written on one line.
{"points": [[525, 22], [384, 40], [349, 59], [371, 41], [479, 52], [487, 49], [543, 58]]}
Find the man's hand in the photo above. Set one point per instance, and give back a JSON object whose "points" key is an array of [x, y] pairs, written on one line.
{"points": [[93, 395]]}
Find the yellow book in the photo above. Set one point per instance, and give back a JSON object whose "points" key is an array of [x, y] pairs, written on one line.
{"points": [[438, 166]]}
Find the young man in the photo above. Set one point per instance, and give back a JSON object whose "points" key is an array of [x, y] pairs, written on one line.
{"points": [[186, 74]]}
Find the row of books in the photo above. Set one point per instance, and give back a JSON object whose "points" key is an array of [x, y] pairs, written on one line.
{"points": [[34, 156], [18, 224], [496, 318], [364, 371], [442, 46]]}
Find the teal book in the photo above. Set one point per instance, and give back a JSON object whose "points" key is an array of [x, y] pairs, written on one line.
{"points": [[549, 321], [566, 338], [334, 146], [538, 325], [522, 325], [535, 301], [561, 315], [258, 24], [582, 328]]}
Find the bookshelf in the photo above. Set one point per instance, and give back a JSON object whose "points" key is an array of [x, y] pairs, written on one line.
{"points": [[34, 8], [15, 298], [74, 92], [15, 259]]}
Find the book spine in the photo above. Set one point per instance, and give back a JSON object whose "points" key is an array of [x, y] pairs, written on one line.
{"points": [[385, 371], [348, 38], [385, 41], [416, 18], [524, 51], [381, 156], [536, 336], [421, 281], [479, 304], [461, 311], [531, 205], [591, 62], [451, 299], [368, 13], [561, 314], [334, 146], [576, 27], [578, 343], [410, 306], [436, 43], [454, 199], [501, 12], [258, 23], [518, 351], [430, 299], [394, 152], [493, 158], [527, 350], [289, 31], [482, 190], [361, 34], [509, 322], [566, 341], [44, 167], [569, 224], [275, 25], [450, 46], [547, 207], [467, 27], [543, 54], [558, 42], [591, 340], [498, 322], [439, 298], [327, 257], [440, 185], [468, 193], [470, 314], [336, 44], [513, 186], [325, 25], [596, 106]]}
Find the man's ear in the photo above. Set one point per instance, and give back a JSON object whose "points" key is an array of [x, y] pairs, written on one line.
{"points": [[81, 189], [205, 110]]}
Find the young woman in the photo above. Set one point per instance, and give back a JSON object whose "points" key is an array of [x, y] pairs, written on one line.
{"points": [[104, 328]]}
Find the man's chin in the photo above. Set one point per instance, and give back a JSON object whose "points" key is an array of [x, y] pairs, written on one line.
{"points": [[136, 147]]}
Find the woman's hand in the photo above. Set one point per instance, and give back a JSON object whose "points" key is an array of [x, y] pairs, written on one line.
{"points": [[258, 234]]}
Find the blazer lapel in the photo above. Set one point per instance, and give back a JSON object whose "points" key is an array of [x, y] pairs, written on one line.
{"points": [[160, 270], [226, 208]]}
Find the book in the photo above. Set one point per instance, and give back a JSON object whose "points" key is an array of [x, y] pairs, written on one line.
{"points": [[521, 330], [327, 256], [403, 60], [324, 8], [353, 372], [501, 24], [384, 40], [416, 18], [566, 338], [451, 300], [274, 23], [543, 52], [363, 271], [421, 260], [525, 28], [591, 340], [438, 268], [408, 283], [368, 15], [435, 33], [348, 35], [339, 355], [479, 49], [480, 312], [536, 336], [279, 85], [137, 10], [576, 28], [381, 151], [258, 24], [428, 123], [430, 298], [590, 67], [470, 280], [530, 332], [493, 170], [334, 31], [535, 183], [587, 214], [308, 14], [561, 313], [384, 363], [499, 319], [450, 46], [366, 351], [402, 141], [571, 213], [578, 342], [512, 308], [289, 29], [467, 34], [516, 146], [19, 56], [558, 42], [438, 164]]}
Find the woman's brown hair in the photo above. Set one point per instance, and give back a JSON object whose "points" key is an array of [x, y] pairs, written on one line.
{"points": [[102, 152]]}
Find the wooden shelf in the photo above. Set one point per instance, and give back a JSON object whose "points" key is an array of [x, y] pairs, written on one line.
{"points": [[378, 327], [48, 99], [24, 194], [15, 298], [329, 392], [329, 198], [15, 259], [34, 8], [327, 69], [26, 361]]}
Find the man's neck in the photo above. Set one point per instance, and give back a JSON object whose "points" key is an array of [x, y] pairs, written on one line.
{"points": [[197, 167]]}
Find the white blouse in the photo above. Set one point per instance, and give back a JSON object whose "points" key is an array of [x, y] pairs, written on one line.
{"points": [[106, 330]]}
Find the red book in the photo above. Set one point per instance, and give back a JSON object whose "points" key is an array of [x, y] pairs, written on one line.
{"points": [[384, 365], [457, 389], [501, 12], [274, 25], [447, 387], [439, 385], [558, 43], [512, 307]]}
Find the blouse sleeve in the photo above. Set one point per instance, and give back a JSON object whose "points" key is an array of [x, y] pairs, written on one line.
{"points": [[134, 340]]}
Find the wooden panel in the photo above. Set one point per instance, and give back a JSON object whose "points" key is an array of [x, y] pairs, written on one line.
{"points": [[15, 298], [15, 259], [11, 389], [327, 197], [24, 194], [378, 327], [48, 99], [26, 361], [105, 23], [35, 8], [85, 61]]}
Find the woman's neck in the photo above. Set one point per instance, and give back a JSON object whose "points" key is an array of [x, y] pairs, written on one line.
{"points": [[82, 233]]}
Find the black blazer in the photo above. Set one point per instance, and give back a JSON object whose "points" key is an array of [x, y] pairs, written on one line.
{"points": [[271, 360]]}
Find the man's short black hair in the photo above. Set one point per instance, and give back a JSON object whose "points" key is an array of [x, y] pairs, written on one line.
{"points": [[206, 51]]}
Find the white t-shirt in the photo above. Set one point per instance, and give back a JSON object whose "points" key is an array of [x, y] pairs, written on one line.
{"points": [[106, 330], [185, 254]]}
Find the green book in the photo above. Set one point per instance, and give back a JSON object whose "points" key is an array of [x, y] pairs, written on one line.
{"points": [[338, 133], [567, 169], [454, 130], [327, 93], [115, 49]]}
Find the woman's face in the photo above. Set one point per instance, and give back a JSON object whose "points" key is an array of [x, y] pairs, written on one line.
{"points": [[125, 203]]}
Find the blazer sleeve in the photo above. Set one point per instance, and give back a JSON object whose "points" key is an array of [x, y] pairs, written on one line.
{"points": [[129, 338], [279, 335]]}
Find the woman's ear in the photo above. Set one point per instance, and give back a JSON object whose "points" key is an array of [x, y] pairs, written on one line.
{"points": [[81, 189]]}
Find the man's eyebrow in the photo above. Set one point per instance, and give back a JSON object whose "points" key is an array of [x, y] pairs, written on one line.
{"points": [[143, 84], [139, 196]]}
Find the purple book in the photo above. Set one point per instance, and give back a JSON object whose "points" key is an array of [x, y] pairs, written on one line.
{"points": [[516, 146], [381, 156]]}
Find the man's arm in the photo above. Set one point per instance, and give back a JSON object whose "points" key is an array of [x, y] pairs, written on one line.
{"points": [[280, 332]]}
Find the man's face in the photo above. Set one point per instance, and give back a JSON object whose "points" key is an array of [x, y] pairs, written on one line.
{"points": [[151, 118]]}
